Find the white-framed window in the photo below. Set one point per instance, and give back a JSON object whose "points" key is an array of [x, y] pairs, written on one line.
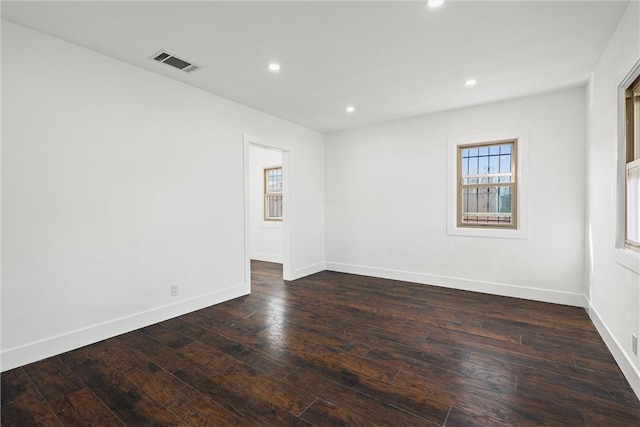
{"points": [[273, 194], [632, 165], [487, 194], [627, 251]]}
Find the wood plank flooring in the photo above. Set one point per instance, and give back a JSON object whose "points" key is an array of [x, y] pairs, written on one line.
{"points": [[336, 350]]}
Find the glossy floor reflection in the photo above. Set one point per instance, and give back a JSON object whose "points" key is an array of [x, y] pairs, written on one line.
{"points": [[336, 349]]}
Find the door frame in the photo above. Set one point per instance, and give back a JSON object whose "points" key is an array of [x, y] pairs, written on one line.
{"points": [[251, 141]]}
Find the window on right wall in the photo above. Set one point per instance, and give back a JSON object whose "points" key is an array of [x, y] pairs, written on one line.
{"points": [[632, 169]]}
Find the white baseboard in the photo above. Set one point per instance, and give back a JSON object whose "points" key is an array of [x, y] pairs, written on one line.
{"points": [[308, 270], [536, 294], [623, 360], [266, 257], [32, 352]]}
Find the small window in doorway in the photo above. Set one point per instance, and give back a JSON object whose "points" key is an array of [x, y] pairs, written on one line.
{"points": [[273, 194]]}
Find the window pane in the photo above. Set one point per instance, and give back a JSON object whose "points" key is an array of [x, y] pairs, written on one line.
{"points": [[486, 205], [273, 205], [489, 164], [473, 166], [483, 163], [273, 194], [274, 180], [485, 186], [504, 163], [465, 166], [494, 164], [633, 202]]}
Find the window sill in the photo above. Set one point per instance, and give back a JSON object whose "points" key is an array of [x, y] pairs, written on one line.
{"points": [[489, 232], [271, 224], [629, 259]]}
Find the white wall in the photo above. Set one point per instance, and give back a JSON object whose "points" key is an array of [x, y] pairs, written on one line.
{"points": [[116, 183], [111, 192], [265, 236], [614, 289], [386, 197]]}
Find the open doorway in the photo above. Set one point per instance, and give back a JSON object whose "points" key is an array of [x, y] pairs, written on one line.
{"points": [[266, 206]]}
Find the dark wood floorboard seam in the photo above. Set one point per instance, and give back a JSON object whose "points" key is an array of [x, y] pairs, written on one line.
{"points": [[336, 349]]}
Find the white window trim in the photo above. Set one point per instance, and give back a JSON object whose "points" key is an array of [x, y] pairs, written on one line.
{"points": [[522, 172], [628, 258], [271, 224]]}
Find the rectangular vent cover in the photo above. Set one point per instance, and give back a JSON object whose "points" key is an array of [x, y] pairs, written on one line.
{"points": [[174, 61]]}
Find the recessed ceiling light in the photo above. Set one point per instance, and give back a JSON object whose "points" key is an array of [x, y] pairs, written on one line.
{"points": [[350, 109], [470, 82], [434, 3], [274, 66]]}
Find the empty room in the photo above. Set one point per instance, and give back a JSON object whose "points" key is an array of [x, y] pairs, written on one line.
{"points": [[320, 213]]}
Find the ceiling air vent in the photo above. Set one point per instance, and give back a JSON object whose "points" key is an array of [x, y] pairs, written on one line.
{"points": [[174, 61]]}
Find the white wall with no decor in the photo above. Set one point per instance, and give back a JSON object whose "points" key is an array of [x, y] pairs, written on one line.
{"points": [[614, 288], [117, 183], [386, 189], [266, 237]]}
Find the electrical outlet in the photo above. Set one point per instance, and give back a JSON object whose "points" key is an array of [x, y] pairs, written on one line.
{"points": [[634, 344], [174, 290]]}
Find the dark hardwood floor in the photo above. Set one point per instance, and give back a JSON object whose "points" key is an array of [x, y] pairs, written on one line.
{"points": [[336, 350]]}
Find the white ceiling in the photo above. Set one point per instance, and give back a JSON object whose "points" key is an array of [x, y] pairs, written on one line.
{"points": [[388, 59]]}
